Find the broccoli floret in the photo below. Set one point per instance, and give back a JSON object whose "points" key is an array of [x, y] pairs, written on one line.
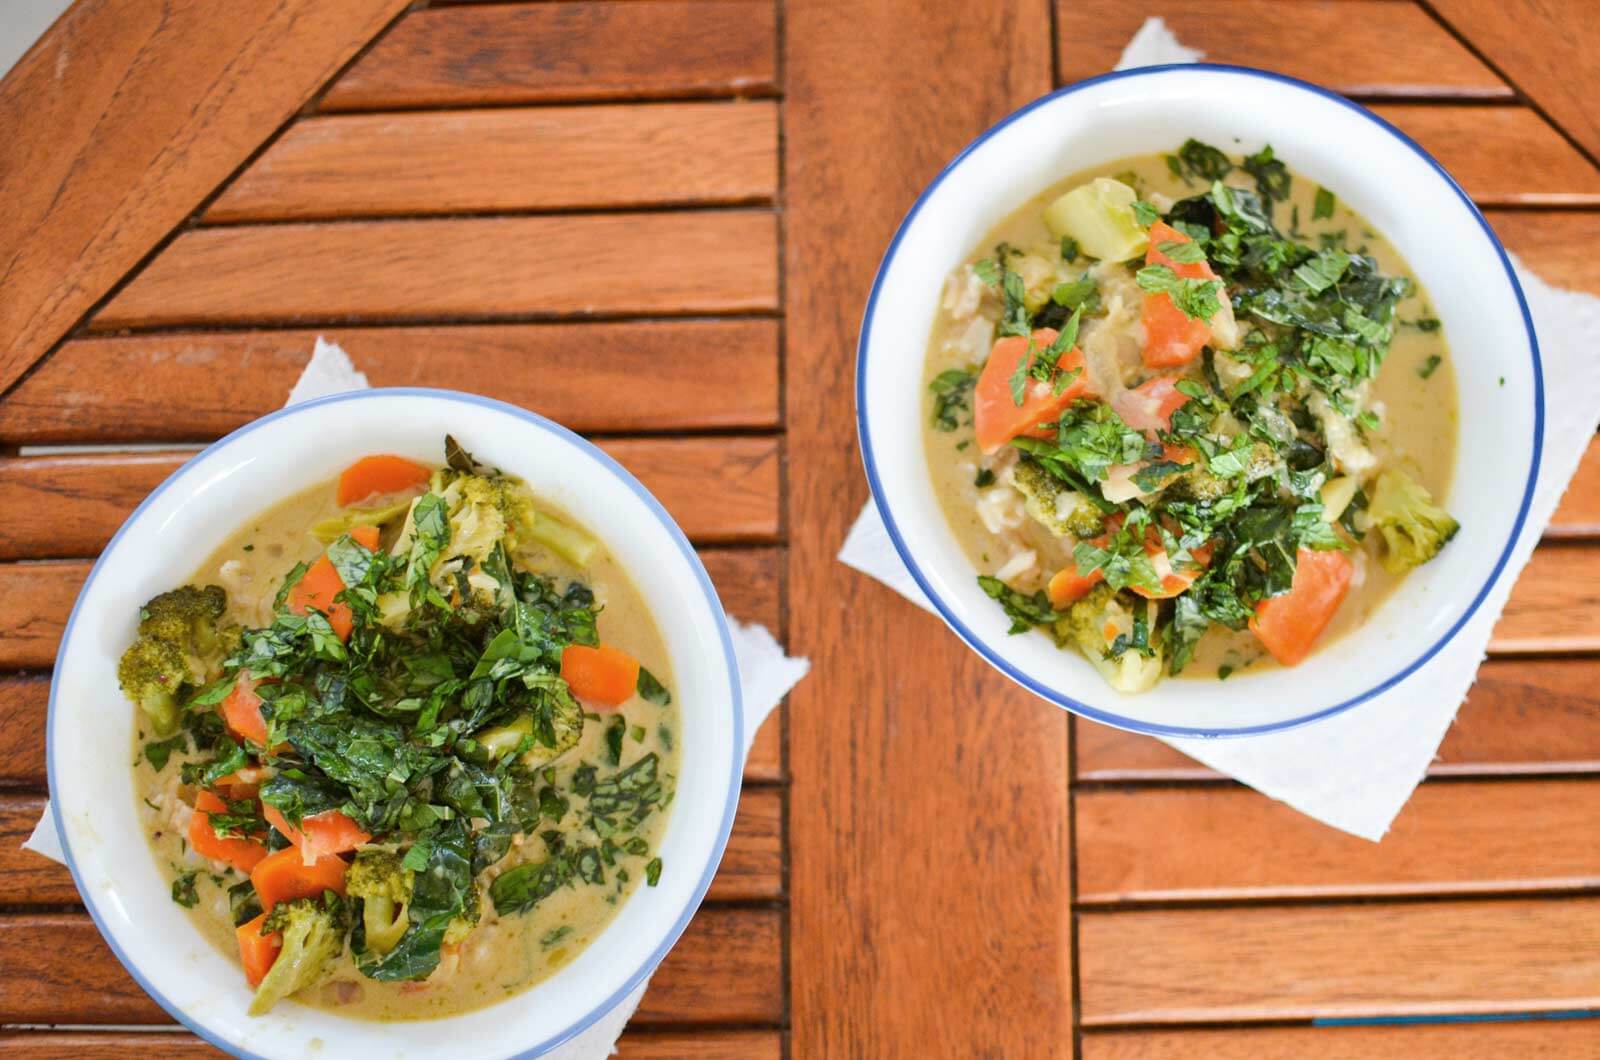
{"points": [[182, 642], [1098, 622], [460, 927], [383, 884], [486, 509], [1201, 485], [566, 728], [1414, 529], [313, 937], [1053, 504]]}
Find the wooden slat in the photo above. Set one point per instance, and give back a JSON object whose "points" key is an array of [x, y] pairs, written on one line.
{"points": [[1449, 839], [26, 878], [1248, 963], [1579, 513], [1551, 242], [1523, 716], [1564, 1039], [24, 703], [1555, 605], [1546, 48], [480, 267], [632, 376], [751, 870], [122, 119], [719, 490], [1352, 46], [35, 599], [929, 857], [644, 1044], [542, 158], [727, 968], [747, 580], [524, 53], [1473, 142]]}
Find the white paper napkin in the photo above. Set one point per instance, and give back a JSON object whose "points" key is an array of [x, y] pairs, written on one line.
{"points": [[766, 675], [1357, 769]]}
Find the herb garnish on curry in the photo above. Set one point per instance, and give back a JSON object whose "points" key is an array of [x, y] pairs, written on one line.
{"points": [[402, 763], [1187, 413]]}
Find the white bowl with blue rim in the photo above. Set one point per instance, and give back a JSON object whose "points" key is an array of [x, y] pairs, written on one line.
{"points": [[1377, 171], [90, 729]]}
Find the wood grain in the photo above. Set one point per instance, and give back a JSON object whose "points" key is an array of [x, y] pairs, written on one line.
{"points": [[727, 968], [1248, 963], [1551, 243], [523, 53], [708, 1044], [36, 599], [1449, 839], [719, 490], [1533, 1040], [928, 894], [542, 158], [1579, 513], [480, 267], [122, 119], [611, 377], [1523, 716], [1546, 48], [1473, 142], [1352, 46], [1555, 605], [751, 869]]}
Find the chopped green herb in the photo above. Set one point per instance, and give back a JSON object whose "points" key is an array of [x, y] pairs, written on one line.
{"points": [[952, 398], [984, 478], [183, 891], [1322, 208], [652, 871], [1430, 366]]}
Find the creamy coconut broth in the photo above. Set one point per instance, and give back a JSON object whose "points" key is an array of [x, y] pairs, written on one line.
{"points": [[579, 848], [1398, 417]]}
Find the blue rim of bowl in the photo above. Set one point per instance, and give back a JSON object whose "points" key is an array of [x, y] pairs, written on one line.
{"points": [[975, 642], [667, 524]]}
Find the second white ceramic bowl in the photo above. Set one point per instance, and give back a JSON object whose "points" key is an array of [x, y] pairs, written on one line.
{"points": [[1369, 165], [90, 740]]}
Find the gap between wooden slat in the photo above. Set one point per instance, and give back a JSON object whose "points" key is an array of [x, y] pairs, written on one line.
{"points": [[751, 868], [675, 263], [1449, 839], [1266, 963], [1523, 716], [1566, 1039], [1473, 143], [656, 375], [584, 50], [726, 968], [720, 490], [540, 158], [1352, 46]]}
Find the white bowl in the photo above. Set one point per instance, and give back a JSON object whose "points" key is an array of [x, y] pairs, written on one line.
{"points": [[1372, 167], [91, 725]]}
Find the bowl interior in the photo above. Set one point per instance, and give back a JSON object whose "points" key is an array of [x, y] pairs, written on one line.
{"points": [[1401, 191], [92, 786]]}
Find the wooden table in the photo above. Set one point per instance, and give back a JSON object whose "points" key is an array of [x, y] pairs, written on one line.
{"points": [[656, 222]]}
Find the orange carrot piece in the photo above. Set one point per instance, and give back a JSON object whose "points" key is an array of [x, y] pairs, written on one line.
{"points": [[1068, 586], [604, 676], [1172, 338], [320, 835], [375, 475], [1173, 581], [283, 875], [258, 949], [319, 585], [1150, 405], [243, 854], [1289, 625], [996, 416], [241, 711]]}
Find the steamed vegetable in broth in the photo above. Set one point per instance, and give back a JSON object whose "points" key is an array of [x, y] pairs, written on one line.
{"points": [[407, 742], [1189, 414]]}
